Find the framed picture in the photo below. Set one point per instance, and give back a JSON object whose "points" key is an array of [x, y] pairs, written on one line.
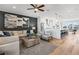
{"points": [[47, 22], [12, 21], [42, 27]]}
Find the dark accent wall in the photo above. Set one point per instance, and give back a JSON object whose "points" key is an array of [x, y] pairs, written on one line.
{"points": [[1, 21], [32, 21]]}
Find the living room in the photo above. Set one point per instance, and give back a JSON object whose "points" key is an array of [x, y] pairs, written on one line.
{"points": [[38, 29]]}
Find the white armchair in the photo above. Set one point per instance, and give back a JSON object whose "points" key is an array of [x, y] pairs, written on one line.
{"points": [[46, 35]]}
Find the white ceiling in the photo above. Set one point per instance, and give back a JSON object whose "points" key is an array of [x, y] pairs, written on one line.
{"points": [[63, 10]]}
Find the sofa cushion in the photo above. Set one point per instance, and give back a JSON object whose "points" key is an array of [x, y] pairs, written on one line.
{"points": [[1, 33], [7, 33]]}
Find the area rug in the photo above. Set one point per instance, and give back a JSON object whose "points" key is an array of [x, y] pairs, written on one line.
{"points": [[44, 48]]}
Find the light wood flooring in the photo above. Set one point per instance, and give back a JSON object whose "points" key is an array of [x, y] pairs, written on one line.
{"points": [[67, 46]]}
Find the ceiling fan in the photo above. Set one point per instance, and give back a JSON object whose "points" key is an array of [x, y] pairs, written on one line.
{"points": [[36, 7]]}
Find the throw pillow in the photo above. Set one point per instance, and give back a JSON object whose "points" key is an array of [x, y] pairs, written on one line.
{"points": [[6, 33]]}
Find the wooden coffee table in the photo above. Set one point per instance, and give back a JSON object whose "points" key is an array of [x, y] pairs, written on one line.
{"points": [[28, 42]]}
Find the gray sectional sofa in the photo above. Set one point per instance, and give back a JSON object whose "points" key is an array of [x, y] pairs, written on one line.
{"points": [[9, 45]]}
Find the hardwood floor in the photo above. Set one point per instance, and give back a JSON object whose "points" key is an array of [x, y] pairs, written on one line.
{"points": [[70, 45], [56, 42]]}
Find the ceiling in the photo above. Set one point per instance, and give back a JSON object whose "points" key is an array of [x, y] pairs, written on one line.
{"points": [[66, 11]]}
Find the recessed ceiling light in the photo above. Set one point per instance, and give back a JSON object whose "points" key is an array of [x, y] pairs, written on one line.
{"points": [[14, 7]]}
